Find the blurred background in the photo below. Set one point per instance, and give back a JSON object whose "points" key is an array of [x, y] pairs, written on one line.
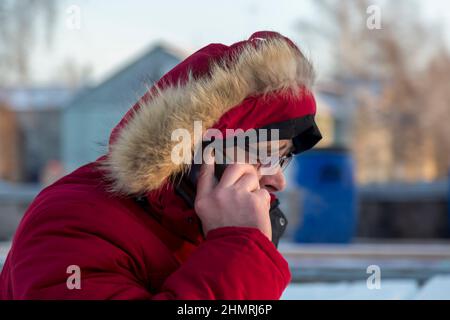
{"points": [[368, 209]]}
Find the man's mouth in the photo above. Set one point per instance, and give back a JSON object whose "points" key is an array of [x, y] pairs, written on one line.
{"points": [[273, 197]]}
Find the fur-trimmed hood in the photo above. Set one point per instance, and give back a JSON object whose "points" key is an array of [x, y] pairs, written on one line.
{"points": [[210, 83]]}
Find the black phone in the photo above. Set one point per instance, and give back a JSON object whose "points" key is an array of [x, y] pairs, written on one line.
{"points": [[186, 188]]}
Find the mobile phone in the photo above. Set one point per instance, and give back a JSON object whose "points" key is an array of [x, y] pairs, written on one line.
{"points": [[187, 186], [187, 190]]}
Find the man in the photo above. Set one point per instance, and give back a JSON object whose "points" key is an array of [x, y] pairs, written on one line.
{"points": [[118, 229]]}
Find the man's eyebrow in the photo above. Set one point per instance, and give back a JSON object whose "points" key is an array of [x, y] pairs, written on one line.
{"points": [[279, 150], [285, 147], [290, 151]]}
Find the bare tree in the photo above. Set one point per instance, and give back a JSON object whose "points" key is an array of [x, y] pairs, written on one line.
{"points": [[73, 74], [401, 133], [18, 21]]}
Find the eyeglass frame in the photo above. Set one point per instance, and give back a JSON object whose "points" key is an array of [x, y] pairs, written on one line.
{"points": [[283, 161]]}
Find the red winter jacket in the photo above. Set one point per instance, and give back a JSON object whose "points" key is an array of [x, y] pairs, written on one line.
{"points": [[95, 219]]}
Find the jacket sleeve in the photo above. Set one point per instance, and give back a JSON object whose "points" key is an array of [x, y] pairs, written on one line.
{"points": [[232, 263]]}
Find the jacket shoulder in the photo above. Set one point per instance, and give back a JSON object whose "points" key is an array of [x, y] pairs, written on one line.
{"points": [[80, 200]]}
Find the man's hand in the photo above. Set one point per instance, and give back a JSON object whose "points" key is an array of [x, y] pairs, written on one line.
{"points": [[236, 200]]}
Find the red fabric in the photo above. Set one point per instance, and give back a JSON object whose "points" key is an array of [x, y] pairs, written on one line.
{"points": [[253, 112], [124, 253], [257, 112], [127, 252]]}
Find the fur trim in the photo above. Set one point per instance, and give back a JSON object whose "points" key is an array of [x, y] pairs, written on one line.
{"points": [[140, 159]]}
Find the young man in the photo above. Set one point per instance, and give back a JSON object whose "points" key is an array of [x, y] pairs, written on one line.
{"points": [[118, 229]]}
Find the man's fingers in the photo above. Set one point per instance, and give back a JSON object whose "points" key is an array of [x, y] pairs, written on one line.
{"points": [[234, 171], [206, 180], [248, 182], [263, 194]]}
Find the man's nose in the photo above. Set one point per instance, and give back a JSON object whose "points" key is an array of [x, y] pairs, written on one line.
{"points": [[274, 182]]}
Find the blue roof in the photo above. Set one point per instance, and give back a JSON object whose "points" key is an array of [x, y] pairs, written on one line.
{"points": [[130, 82]]}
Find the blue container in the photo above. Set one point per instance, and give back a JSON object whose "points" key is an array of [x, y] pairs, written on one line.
{"points": [[328, 208], [448, 201]]}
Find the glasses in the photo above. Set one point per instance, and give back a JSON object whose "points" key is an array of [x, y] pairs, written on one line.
{"points": [[284, 161], [267, 165], [271, 161], [281, 162], [265, 162]]}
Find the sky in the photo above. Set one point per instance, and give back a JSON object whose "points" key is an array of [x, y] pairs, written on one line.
{"points": [[113, 33]]}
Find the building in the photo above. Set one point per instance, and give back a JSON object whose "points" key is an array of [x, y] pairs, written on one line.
{"points": [[30, 130], [90, 117], [9, 151]]}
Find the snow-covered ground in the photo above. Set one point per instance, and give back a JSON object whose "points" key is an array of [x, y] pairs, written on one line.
{"points": [[4, 248], [437, 288], [339, 272]]}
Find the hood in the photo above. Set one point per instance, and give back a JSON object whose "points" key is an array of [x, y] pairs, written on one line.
{"points": [[263, 82]]}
